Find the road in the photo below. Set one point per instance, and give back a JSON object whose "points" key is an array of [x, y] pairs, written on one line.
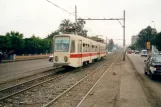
{"points": [[154, 87], [12, 70]]}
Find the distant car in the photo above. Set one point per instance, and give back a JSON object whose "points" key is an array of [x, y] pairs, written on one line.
{"points": [[152, 66], [136, 52], [144, 53], [51, 58], [129, 51]]}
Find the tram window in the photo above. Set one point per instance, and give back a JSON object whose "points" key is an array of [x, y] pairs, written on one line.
{"points": [[72, 50], [96, 48], [86, 48], [83, 45], [93, 49]]}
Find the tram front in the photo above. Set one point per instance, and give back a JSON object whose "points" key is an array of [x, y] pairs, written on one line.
{"points": [[61, 50]]}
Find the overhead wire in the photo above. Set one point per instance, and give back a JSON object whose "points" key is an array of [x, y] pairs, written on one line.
{"points": [[64, 10], [59, 7]]}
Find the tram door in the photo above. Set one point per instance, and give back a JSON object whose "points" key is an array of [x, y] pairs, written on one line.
{"points": [[80, 45]]}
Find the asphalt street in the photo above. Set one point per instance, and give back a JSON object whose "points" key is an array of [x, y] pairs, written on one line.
{"points": [[154, 86], [15, 70]]}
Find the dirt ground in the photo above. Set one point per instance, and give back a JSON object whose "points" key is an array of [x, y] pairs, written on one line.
{"points": [[120, 87]]}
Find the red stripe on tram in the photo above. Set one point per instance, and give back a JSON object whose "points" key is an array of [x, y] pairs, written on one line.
{"points": [[84, 55]]}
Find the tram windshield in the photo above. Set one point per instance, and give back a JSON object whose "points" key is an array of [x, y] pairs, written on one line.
{"points": [[62, 44]]}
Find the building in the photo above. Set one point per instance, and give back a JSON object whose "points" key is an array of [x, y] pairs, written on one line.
{"points": [[133, 39]]}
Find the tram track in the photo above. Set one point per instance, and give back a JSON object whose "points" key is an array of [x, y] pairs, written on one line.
{"points": [[107, 65], [73, 95], [23, 86], [44, 93]]}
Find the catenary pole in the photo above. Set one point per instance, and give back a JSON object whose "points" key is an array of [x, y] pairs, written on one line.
{"points": [[75, 19], [124, 36]]}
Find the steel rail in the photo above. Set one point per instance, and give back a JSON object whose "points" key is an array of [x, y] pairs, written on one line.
{"points": [[27, 81]]}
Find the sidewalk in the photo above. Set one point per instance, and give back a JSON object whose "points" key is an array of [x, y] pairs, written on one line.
{"points": [[119, 87], [23, 59]]}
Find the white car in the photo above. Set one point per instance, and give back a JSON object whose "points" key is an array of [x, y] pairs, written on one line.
{"points": [[144, 53]]}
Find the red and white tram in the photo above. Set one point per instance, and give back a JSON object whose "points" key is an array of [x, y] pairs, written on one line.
{"points": [[74, 51]]}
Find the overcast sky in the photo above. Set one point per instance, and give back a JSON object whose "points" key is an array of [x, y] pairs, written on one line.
{"points": [[39, 17]]}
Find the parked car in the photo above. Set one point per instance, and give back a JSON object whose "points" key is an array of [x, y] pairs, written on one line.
{"points": [[136, 52], [144, 53], [152, 66], [51, 58]]}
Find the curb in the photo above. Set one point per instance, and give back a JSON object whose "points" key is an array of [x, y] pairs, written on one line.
{"points": [[22, 60]]}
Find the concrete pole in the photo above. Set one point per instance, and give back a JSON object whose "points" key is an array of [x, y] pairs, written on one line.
{"points": [[75, 19], [124, 36]]}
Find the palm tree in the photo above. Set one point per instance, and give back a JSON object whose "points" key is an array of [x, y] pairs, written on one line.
{"points": [[65, 26]]}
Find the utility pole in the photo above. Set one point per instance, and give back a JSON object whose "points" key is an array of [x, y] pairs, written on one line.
{"points": [[124, 36], [75, 19]]}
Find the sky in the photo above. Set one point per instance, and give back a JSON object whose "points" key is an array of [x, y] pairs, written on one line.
{"points": [[40, 18]]}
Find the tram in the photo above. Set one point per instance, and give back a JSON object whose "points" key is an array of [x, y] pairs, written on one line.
{"points": [[74, 50]]}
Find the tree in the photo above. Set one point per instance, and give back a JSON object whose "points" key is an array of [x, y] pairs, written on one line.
{"points": [[36, 45], [80, 28], [68, 27], [65, 26], [16, 39], [157, 41], [5, 43], [50, 36], [145, 35], [110, 45]]}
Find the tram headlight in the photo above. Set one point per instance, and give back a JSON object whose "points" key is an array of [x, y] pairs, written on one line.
{"points": [[65, 58], [56, 58]]}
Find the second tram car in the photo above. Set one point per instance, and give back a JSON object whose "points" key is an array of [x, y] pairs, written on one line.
{"points": [[74, 51]]}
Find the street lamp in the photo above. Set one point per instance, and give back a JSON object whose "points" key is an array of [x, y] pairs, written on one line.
{"points": [[154, 23]]}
